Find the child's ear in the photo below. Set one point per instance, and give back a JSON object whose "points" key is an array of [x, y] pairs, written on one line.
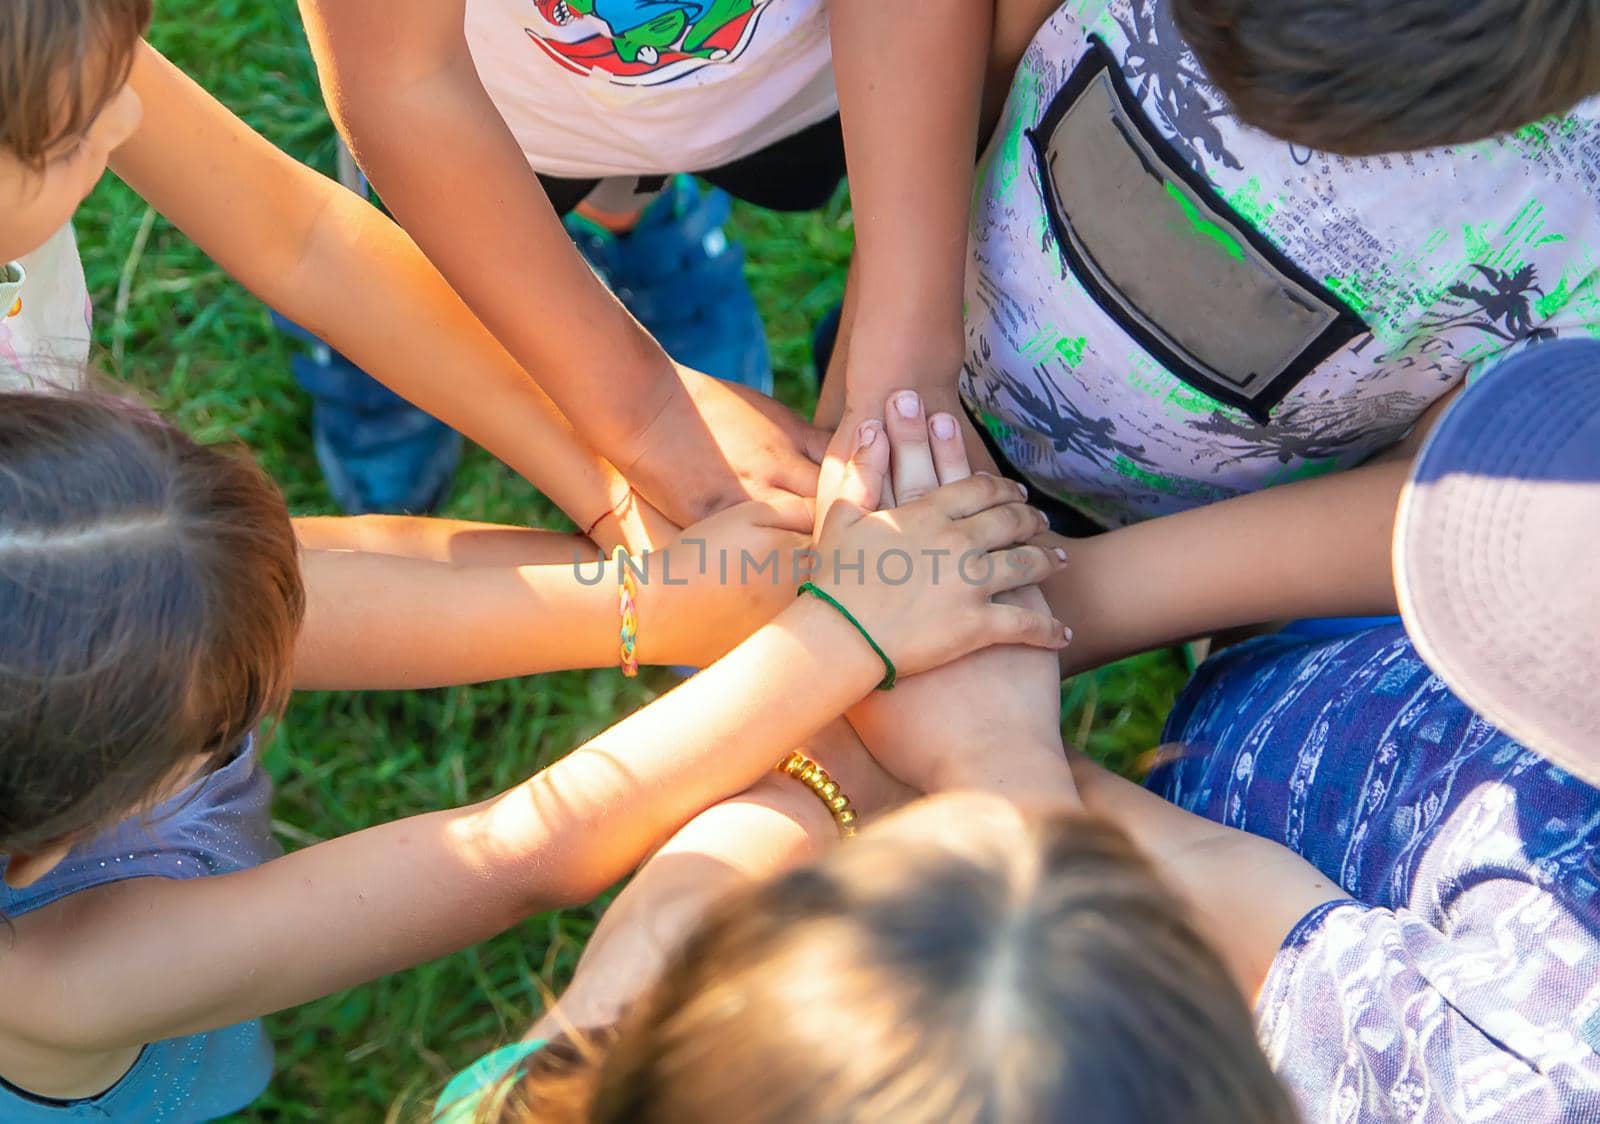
{"points": [[23, 869]]}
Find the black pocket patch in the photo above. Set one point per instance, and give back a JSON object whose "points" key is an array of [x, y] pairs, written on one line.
{"points": [[1166, 257]]}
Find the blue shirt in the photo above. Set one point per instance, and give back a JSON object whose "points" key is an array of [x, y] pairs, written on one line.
{"points": [[1463, 983], [462, 1099], [217, 825]]}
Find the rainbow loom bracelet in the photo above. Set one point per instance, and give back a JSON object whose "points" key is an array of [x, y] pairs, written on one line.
{"points": [[627, 594]]}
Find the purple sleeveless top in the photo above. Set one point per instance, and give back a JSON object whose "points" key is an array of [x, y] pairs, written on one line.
{"points": [[219, 824]]}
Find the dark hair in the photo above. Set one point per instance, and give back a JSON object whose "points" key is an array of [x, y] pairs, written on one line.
{"points": [[61, 61], [149, 601], [1362, 77], [1048, 976]]}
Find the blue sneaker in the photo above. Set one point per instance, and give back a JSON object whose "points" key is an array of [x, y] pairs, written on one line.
{"points": [[681, 277], [378, 452]]}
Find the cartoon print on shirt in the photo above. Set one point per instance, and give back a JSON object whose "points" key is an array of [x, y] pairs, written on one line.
{"points": [[12, 277], [644, 42]]}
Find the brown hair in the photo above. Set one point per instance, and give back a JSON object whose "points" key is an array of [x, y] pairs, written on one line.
{"points": [[61, 61], [1050, 977], [1363, 77], [150, 597]]}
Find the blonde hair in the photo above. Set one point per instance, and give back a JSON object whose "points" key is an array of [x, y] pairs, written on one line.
{"points": [[1051, 977]]}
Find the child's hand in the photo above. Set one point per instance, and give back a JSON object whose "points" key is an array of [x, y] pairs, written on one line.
{"points": [[920, 578], [716, 445], [721, 580], [635, 523], [991, 720]]}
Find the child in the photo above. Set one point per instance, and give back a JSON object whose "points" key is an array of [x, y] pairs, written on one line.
{"points": [[1457, 984], [1168, 307], [960, 962], [80, 90], [964, 961], [152, 599], [1454, 801], [453, 107]]}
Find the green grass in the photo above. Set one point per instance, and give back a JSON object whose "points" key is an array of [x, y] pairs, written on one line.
{"points": [[202, 348]]}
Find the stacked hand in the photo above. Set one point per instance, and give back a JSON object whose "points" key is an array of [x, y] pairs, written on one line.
{"points": [[722, 579], [715, 445], [991, 720], [922, 578]]}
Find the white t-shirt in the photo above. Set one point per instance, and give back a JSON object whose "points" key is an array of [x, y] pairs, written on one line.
{"points": [[44, 318], [1166, 307], [598, 88]]}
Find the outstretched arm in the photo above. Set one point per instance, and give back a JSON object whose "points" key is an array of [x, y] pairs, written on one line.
{"points": [[774, 825], [134, 962], [398, 603], [138, 961], [1246, 892], [334, 264], [1314, 548], [403, 89], [911, 137], [1318, 548]]}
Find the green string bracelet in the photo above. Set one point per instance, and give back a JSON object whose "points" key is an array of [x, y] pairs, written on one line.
{"points": [[889, 672]]}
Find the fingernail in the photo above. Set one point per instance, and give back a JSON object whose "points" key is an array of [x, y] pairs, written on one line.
{"points": [[1066, 634], [943, 426], [907, 404], [1061, 554], [866, 434], [1022, 490]]}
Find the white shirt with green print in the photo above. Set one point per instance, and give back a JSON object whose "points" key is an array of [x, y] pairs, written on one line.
{"points": [[1438, 262]]}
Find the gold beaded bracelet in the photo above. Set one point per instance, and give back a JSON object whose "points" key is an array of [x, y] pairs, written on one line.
{"points": [[815, 777]]}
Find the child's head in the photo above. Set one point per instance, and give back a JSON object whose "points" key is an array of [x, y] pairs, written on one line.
{"points": [[957, 964], [1372, 76], [149, 600], [64, 106]]}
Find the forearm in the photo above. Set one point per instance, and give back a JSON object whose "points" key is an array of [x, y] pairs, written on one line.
{"points": [[425, 130], [1316, 548], [334, 264], [1245, 893], [703, 742], [402, 604], [911, 143], [775, 825], [364, 905], [381, 622], [364, 287]]}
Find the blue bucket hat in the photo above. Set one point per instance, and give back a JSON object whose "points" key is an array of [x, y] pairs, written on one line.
{"points": [[1497, 551]]}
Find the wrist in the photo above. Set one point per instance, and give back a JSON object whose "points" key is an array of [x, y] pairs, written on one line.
{"points": [[793, 800], [633, 408], [663, 640], [893, 356], [835, 647], [1031, 775]]}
